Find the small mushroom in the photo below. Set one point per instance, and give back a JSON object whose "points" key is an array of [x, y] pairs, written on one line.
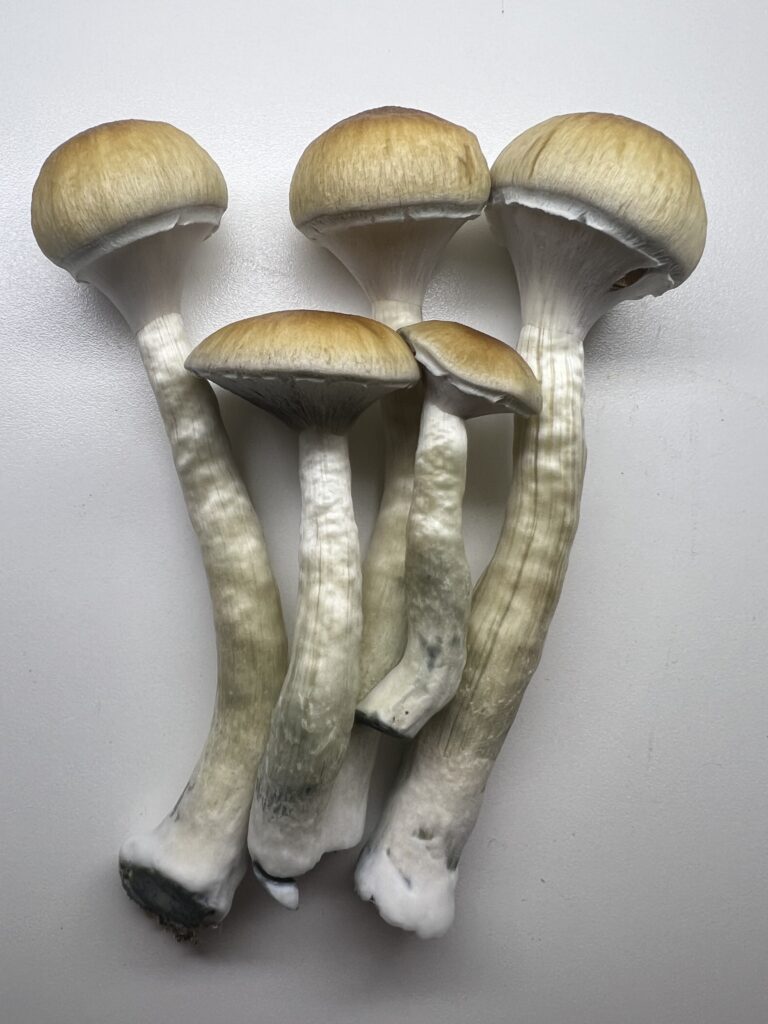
{"points": [[384, 191], [122, 206], [316, 372], [594, 209], [467, 374]]}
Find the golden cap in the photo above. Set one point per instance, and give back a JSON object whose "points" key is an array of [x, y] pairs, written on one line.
{"points": [[492, 373], [116, 174], [390, 158], [309, 367], [621, 167]]}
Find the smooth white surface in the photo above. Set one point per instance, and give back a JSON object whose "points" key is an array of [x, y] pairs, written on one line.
{"points": [[618, 871]]}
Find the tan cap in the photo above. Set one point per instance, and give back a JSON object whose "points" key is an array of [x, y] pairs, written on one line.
{"points": [[112, 176], [388, 159], [310, 368], [619, 167], [477, 374]]}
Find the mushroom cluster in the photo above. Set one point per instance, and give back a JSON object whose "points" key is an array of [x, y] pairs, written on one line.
{"points": [[593, 209]]}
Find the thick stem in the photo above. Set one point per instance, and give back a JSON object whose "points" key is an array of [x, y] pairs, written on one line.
{"points": [[409, 868], [437, 581], [314, 714], [341, 824], [187, 869]]}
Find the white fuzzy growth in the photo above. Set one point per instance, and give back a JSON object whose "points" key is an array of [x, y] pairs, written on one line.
{"points": [[313, 718], [201, 844], [437, 582], [426, 907], [408, 868]]}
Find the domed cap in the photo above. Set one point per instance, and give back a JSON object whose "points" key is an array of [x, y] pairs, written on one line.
{"points": [[108, 178], [475, 374], [386, 160], [622, 169], [310, 368]]}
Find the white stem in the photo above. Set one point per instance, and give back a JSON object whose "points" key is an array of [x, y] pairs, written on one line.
{"points": [[396, 314], [313, 718], [187, 869], [384, 603], [437, 581], [335, 815], [409, 868]]}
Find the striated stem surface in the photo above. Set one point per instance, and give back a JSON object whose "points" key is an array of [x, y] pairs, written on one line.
{"points": [[409, 867], [187, 869]]}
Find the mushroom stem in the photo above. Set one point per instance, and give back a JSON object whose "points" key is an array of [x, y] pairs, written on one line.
{"points": [[409, 867], [565, 272], [438, 582], [187, 869], [314, 714], [336, 819]]}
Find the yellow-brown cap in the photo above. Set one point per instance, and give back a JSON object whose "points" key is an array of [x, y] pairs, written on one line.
{"points": [[621, 168], [388, 159], [479, 374], [110, 177], [309, 367]]}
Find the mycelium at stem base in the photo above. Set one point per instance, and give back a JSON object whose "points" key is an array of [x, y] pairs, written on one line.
{"points": [[568, 275]]}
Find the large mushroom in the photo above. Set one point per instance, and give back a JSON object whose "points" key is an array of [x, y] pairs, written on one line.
{"points": [[467, 374], [122, 206], [594, 209], [317, 372], [384, 191]]}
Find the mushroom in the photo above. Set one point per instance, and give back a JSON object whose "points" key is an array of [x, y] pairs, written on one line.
{"points": [[122, 206], [317, 372], [467, 374], [594, 209], [384, 191]]}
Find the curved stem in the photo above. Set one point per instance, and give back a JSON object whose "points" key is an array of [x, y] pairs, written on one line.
{"points": [[314, 714], [437, 582], [187, 869], [409, 868]]}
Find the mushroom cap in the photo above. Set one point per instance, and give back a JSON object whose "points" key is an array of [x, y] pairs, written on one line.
{"points": [[475, 373], [387, 160], [623, 169], [107, 179], [310, 368]]}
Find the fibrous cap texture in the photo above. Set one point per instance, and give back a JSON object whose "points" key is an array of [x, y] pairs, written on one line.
{"points": [[309, 367], [626, 170], [391, 158], [308, 343], [114, 175], [477, 363]]}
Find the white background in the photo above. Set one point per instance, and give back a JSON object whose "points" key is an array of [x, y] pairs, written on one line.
{"points": [[618, 872]]}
